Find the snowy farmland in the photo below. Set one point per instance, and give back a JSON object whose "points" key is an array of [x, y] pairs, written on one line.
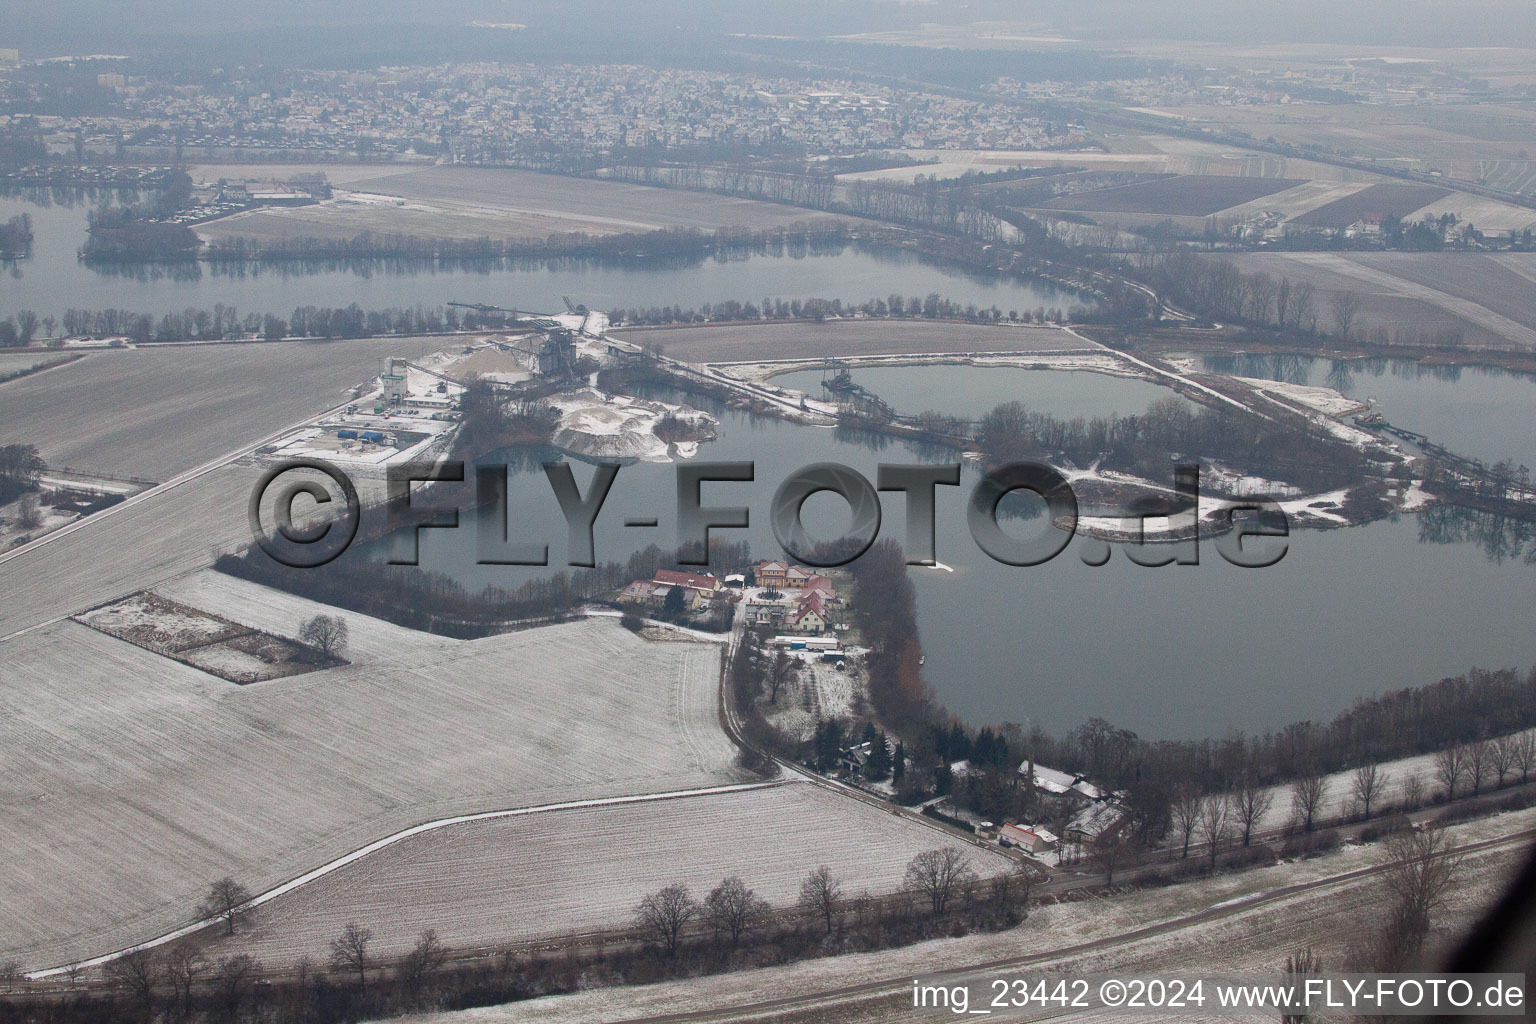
{"points": [[510, 879], [487, 202], [141, 779], [155, 412], [1328, 918]]}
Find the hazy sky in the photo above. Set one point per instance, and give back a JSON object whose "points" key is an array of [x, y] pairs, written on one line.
{"points": [[43, 27]]}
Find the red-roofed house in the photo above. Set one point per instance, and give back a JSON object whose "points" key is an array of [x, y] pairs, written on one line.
{"points": [[810, 615], [705, 583], [1028, 838], [780, 576]]}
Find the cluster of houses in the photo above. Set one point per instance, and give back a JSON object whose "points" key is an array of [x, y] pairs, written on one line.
{"points": [[698, 589], [1091, 813], [1095, 814], [788, 599], [791, 600]]}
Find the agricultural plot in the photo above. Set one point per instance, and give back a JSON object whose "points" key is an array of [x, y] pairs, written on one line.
{"points": [[125, 548], [511, 879], [739, 342], [203, 640], [501, 203], [1295, 201], [1504, 283], [17, 364], [1487, 215], [335, 173], [1188, 195], [1394, 198], [159, 411], [1398, 303], [1328, 918], [126, 789], [1147, 152]]}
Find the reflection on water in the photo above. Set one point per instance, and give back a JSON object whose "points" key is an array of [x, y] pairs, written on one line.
{"points": [[1486, 413], [1502, 538], [54, 279]]}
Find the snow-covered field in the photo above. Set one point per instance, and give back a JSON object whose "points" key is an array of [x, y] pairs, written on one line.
{"points": [[125, 548], [821, 691], [1328, 919], [156, 412], [128, 782], [479, 202], [511, 879]]}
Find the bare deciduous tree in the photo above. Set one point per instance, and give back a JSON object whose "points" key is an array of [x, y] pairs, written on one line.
{"points": [[1107, 853], [1250, 802], [1185, 811], [1479, 761], [226, 901], [28, 516], [665, 913], [1300, 966], [232, 981], [349, 952], [1418, 877], [1215, 820], [1450, 767], [938, 875], [733, 909], [1307, 795], [1346, 306], [183, 965], [422, 963], [136, 973], [1525, 754], [781, 672], [1369, 782], [820, 892], [325, 633], [1413, 793], [1010, 891], [1501, 758], [1303, 313]]}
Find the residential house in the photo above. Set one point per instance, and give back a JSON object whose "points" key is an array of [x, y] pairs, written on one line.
{"points": [[759, 612], [782, 576], [653, 594], [705, 583], [810, 615], [1096, 821], [1029, 838], [1058, 783]]}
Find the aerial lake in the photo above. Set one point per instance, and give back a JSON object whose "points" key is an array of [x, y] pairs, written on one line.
{"points": [[1173, 651], [970, 391], [53, 279], [1483, 413], [1177, 651]]}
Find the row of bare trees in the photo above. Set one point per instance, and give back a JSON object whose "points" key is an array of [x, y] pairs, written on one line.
{"points": [[731, 911], [1218, 289], [1485, 760]]}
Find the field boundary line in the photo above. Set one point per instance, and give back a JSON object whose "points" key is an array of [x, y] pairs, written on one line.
{"points": [[363, 851]]}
